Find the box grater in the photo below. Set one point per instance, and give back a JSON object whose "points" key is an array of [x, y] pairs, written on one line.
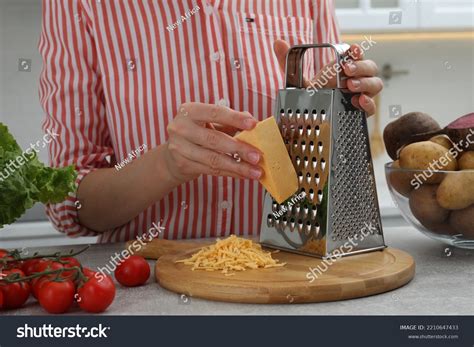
{"points": [[328, 143]]}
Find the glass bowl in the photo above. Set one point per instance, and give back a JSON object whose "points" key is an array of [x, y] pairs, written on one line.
{"points": [[440, 204]]}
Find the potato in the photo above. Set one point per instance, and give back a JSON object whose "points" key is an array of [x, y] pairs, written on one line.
{"points": [[407, 129], [466, 162], [463, 221], [400, 181], [456, 191], [425, 207], [429, 156], [442, 140]]}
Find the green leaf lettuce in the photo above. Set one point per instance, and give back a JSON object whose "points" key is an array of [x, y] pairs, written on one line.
{"points": [[26, 182]]}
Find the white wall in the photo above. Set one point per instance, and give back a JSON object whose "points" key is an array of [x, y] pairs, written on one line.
{"points": [[20, 22]]}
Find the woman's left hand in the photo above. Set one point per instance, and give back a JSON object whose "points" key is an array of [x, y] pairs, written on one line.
{"points": [[361, 76]]}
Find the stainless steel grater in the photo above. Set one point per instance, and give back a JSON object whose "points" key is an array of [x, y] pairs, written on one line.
{"points": [[328, 143]]}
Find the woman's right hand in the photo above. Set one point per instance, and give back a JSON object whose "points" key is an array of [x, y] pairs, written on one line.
{"points": [[200, 142]]}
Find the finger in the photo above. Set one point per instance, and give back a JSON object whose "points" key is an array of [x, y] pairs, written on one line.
{"points": [[216, 140], [356, 52], [199, 168], [367, 104], [281, 49], [226, 129], [205, 113], [367, 85], [355, 101], [362, 68], [215, 161]]}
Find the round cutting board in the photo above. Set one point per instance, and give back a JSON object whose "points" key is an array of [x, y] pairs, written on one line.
{"points": [[346, 278]]}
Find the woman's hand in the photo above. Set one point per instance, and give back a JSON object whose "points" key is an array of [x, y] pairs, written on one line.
{"points": [[361, 76], [200, 142]]}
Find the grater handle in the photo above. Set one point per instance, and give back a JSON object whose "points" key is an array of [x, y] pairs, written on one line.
{"points": [[294, 62]]}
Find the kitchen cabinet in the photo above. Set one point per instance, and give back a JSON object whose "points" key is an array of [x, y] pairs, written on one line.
{"points": [[377, 15], [404, 15], [446, 14]]}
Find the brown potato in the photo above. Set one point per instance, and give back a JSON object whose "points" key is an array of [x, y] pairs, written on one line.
{"points": [[406, 129], [466, 162], [428, 156], [463, 221], [400, 181], [442, 140], [457, 190], [425, 207]]}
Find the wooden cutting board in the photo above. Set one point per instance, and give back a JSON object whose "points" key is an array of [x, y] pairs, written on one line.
{"points": [[350, 277]]}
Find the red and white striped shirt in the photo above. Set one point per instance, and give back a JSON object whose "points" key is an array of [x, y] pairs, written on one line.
{"points": [[116, 71]]}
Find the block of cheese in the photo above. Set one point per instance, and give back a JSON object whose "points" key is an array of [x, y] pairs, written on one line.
{"points": [[279, 177]]}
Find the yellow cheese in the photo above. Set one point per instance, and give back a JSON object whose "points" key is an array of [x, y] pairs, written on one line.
{"points": [[279, 177]]}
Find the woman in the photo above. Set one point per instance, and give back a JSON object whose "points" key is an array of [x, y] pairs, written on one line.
{"points": [[146, 95]]}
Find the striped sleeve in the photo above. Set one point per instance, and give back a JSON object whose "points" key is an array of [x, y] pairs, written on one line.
{"points": [[326, 29], [71, 95]]}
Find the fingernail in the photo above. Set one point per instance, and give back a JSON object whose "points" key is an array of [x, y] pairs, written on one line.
{"points": [[356, 84], [249, 123], [351, 67], [254, 157], [255, 173]]}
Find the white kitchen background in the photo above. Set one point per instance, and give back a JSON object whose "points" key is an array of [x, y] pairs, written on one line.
{"points": [[428, 44]]}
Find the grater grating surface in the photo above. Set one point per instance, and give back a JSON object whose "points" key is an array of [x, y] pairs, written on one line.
{"points": [[327, 140]]}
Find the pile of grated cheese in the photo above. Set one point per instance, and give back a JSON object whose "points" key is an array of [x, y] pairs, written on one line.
{"points": [[231, 254]]}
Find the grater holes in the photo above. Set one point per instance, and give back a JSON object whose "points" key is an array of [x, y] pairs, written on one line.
{"points": [[320, 147], [314, 163], [353, 200], [323, 115], [270, 221]]}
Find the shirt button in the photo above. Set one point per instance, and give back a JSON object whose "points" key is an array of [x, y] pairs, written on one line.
{"points": [[215, 56], [209, 9], [226, 204], [223, 102]]}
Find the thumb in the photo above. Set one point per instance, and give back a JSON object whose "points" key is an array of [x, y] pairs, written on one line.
{"points": [[281, 48]]}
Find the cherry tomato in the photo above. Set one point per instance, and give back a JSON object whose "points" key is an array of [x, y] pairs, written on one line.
{"points": [[14, 294], [30, 265], [96, 294], [48, 265], [57, 296], [88, 272], [71, 262], [37, 284], [133, 271], [5, 254]]}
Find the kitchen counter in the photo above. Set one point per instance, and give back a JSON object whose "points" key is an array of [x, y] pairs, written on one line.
{"points": [[443, 285]]}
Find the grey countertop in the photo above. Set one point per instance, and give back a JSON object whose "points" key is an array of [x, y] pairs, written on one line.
{"points": [[443, 285]]}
